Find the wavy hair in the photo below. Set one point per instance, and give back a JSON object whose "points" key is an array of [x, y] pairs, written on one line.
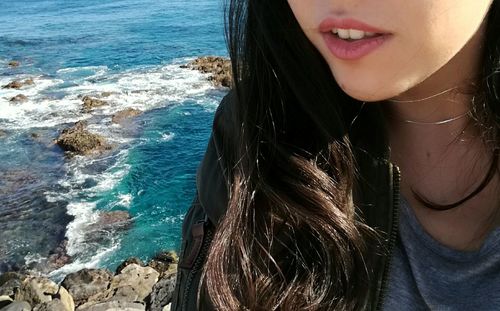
{"points": [[291, 238]]}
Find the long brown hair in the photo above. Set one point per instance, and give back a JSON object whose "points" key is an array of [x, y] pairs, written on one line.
{"points": [[291, 239]]}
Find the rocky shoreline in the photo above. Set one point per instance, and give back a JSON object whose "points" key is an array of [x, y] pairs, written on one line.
{"points": [[134, 286]]}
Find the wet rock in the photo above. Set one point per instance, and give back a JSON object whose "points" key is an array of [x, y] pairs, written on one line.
{"points": [[89, 103], [86, 283], [17, 84], [113, 219], [3, 133], [29, 81], [107, 94], [114, 306], [219, 69], [14, 63], [59, 257], [19, 98], [131, 260], [13, 85], [78, 140], [18, 306], [161, 295], [120, 116], [165, 263]]}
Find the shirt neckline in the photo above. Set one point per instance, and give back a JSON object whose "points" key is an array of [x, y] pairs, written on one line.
{"points": [[409, 220]]}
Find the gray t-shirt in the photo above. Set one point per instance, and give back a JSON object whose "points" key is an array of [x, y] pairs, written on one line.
{"points": [[426, 275]]}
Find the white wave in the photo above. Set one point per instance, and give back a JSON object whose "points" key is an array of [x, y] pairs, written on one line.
{"points": [[55, 101], [125, 199], [84, 215], [167, 136], [89, 263], [97, 69]]}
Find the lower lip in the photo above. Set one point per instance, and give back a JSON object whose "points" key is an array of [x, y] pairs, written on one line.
{"points": [[352, 50]]}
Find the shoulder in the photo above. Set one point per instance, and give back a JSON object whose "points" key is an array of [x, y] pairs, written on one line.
{"points": [[212, 178]]}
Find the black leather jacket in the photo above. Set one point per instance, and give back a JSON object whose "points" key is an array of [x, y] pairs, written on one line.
{"points": [[376, 195]]}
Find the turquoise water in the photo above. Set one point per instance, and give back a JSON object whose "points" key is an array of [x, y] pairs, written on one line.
{"points": [[132, 49]]}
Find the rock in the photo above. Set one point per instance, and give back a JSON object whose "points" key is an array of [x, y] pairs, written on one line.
{"points": [[16, 84], [115, 306], [5, 300], [161, 294], [107, 94], [78, 140], [85, 283], [36, 290], [18, 306], [9, 282], [167, 307], [29, 81], [53, 305], [134, 283], [165, 263], [14, 63], [111, 221], [127, 262], [219, 69], [3, 133], [90, 103], [65, 298], [58, 257], [19, 98], [13, 85], [120, 116]]}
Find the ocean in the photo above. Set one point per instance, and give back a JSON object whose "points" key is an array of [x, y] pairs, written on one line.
{"points": [[132, 50]]}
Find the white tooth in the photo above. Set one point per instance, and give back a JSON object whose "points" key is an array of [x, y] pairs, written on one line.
{"points": [[369, 34], [343, 33], [334, 30], [356, 34]]}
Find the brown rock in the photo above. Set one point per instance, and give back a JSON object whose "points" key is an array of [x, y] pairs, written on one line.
{"points": [[165, 263], [219, 69], [13, 85], [19, 98], [90, 103], [78, 140], [120, 116], [14, 63], [16, 84]]}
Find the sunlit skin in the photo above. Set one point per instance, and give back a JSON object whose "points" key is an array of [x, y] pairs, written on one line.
{"points": [[435, 45]]}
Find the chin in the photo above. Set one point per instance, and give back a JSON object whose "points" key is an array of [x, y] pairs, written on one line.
{"points": [[366, 94]]}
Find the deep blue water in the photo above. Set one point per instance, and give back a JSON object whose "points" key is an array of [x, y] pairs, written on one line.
{"points": [[132, 49]]}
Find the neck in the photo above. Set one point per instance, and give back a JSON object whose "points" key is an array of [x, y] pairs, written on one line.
{"points": [[444, 162]]}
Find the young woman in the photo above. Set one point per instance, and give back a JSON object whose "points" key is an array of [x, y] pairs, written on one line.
{"points": [[354, 163]]}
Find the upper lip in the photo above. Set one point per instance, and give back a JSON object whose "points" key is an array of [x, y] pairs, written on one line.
{"points": [[347, 23]]}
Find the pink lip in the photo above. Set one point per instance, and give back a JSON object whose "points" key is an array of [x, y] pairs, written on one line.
{"points": [[347, 23], [351, 50]]}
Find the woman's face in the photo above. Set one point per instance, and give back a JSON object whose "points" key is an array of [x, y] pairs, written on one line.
{"points": [[423, 36]]}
